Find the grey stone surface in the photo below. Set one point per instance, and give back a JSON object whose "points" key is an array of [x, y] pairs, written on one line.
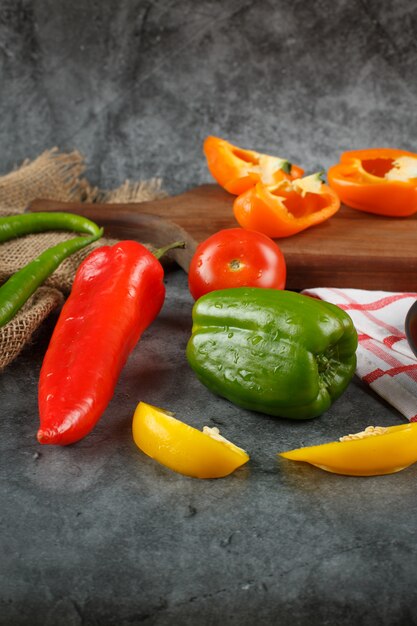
{"points": [[97, 533]]}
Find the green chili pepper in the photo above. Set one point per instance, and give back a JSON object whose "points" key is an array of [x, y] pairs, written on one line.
{"points": [[27, 223], [19, 287], [276, 352]]}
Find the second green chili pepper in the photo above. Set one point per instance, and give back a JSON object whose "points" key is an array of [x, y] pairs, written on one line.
{"points": [[21, 285], [276, 352]]}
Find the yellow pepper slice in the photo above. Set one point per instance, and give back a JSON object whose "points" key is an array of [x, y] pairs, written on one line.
{"points": [[372, 452], [182, 448]]}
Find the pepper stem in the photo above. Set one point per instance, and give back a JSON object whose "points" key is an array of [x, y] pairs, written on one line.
{"points": [[171, 246]]}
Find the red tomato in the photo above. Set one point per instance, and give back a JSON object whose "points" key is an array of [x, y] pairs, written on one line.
{"points": [[236, 257]]}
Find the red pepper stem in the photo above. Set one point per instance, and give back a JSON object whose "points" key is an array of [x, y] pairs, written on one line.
{"points": [[161, 251]]}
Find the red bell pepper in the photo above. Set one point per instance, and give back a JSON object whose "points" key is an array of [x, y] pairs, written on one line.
{"points": [[117, 292]]}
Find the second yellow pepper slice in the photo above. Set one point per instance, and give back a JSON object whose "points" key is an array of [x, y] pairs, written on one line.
{"points": [[372, 452]]}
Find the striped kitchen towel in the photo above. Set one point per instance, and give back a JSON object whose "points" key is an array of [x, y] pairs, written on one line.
{"points": [[384, 359]]}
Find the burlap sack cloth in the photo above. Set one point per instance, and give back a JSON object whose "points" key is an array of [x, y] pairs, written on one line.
{"points": [[57, 176]]}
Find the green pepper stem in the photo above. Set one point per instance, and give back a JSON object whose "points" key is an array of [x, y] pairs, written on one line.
{"points": [[159, 252]]}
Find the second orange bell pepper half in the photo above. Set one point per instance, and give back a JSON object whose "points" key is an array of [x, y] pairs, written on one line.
{"points": [[237, 170], [286, 208], [379, 180]]}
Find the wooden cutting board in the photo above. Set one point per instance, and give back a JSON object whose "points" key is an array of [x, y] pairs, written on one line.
{"points": [[352, 249]]}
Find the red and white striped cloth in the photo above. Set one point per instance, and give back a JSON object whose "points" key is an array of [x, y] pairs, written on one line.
{"points": [[385, 360]]}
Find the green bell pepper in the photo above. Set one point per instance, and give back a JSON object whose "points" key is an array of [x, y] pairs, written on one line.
{"points": [[276, 352]]}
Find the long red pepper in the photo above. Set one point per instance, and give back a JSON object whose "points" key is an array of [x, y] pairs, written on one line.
{"points": [[117, 292]]}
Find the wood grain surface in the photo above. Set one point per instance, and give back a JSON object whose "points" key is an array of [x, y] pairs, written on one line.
{"points": [[352, 249]]}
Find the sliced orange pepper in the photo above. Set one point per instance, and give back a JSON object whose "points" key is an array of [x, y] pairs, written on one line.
{"points": [[373, 452], [182, 448], [378, 180], [286, 208], [237, 170]]}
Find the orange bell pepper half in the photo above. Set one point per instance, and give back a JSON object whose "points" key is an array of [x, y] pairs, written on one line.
{"points": [[286, 208], [237, 170], [379, 180], [375, 451]]}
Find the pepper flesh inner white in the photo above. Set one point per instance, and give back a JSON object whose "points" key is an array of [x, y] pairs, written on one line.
{"points": [[370, 431], [403, 169], [214, 433]]}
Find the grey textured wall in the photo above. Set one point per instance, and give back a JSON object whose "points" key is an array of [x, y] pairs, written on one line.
{"points": [[136, 85]]}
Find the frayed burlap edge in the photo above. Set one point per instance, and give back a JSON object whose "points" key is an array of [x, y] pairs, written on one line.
{"points": [[52, 174], [130, 192], [58, 176], [15, 335]]}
